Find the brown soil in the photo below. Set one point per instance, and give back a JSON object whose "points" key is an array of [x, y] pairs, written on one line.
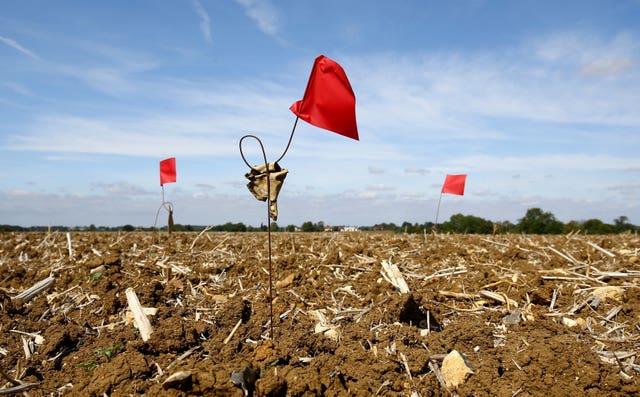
{"points": [[522, 310]]}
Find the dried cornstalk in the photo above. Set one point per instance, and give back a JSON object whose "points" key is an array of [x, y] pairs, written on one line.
{"points": [[457, 295], [139, 316], [628, 274], [406, 365], [17, 389], [206, 229], [604, 251], [498, 297], [233, 331], [392, 274], [34, 290], [494, 242], [451, 271], [436, 370], [565, 256], [69, 245]]}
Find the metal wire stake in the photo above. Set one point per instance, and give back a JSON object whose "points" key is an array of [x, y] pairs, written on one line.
{"points": [[266, 165], [167, 205]]}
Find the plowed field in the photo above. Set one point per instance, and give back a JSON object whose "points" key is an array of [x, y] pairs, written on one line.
{"points": [[529, 315]]}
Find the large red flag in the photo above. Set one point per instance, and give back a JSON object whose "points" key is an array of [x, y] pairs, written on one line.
{"points": [[167, 170], [454, 184], [329, 101]]}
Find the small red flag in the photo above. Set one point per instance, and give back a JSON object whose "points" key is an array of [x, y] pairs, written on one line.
{"points": [[167, 170], [454, 184], [329, 101]]}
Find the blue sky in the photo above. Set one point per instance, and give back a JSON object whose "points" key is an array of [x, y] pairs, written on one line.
{"points": [[537, 101]]}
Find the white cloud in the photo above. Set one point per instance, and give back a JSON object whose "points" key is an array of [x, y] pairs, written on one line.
{"points": [[18, 88], [120, 189], [460, 96], [205, 22], [609, 67], [110, 70], [148, 137], [14, 44], [543, 163], [263, 13], [419, 171], [379, 187], [113, 205], [405, 102]]}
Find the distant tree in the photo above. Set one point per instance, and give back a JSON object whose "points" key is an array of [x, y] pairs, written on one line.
{"points": [[596, 226], [572, 227], [621, 225], [459, 223], [291, 228], [275, 227], [308, 226], [128, 228], [387, 227], [505, 227], [537, 221]]}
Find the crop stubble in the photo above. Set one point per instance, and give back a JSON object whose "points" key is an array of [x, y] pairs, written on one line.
{"points": [[532, 315]]}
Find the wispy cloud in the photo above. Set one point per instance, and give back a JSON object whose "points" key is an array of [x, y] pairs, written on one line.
{"points": [[609, 67], [419, 171], [205, 21], [434, 99], [546, 162], [376, 170], [121, 188], [14, 44], [380, 187], [111, 70], [130, 137], [18, 88], [263, 13], [451, 95]]}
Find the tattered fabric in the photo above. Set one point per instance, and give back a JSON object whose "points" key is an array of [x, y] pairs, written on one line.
{"points": [[258, 184]]}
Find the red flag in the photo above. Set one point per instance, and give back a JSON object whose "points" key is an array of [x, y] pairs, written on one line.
{"points": [[329, 101], [454, 184], [167, 170]]}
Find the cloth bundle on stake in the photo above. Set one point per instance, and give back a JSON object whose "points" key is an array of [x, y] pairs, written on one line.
{"points": [[167, 175], [328, 103], [453, 184], [265, 183]]}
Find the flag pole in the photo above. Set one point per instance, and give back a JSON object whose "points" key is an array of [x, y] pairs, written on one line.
{"points": [[159, 208], [438, 210]]}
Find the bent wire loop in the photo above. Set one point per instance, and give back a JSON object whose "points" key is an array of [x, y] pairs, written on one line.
{"points": [[168, 206], [264, 155]]}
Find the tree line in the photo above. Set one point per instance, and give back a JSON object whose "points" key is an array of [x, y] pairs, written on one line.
{"points": [[535, 221]]}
